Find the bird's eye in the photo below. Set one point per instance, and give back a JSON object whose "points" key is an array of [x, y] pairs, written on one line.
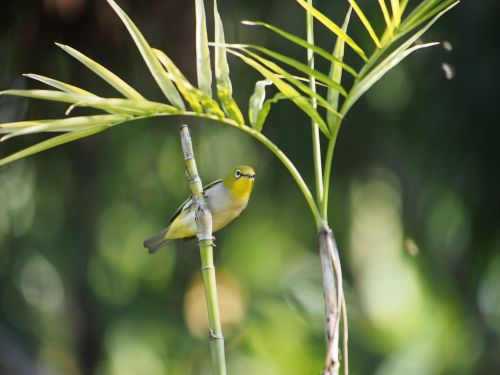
{"points": [[237, 174]]}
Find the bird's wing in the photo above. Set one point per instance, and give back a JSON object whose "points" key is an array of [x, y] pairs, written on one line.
{"points": [[211, 185], [188, 202]]}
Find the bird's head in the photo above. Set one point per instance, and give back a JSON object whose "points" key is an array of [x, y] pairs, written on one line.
{"points": [[239, 181]]}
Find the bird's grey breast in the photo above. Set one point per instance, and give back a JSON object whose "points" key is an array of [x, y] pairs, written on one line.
{"points": [[217, 198]]}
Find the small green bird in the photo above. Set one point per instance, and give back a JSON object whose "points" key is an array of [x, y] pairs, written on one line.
{"points": [[226, 199]]}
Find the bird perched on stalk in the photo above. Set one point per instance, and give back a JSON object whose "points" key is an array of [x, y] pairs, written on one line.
{"points": [[226, 199]]}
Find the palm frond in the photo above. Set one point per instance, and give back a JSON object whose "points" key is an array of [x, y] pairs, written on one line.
{"points": [[399, 54], [276, 69], [303, 43], [268, 63], [301, 67], [286, 89]]}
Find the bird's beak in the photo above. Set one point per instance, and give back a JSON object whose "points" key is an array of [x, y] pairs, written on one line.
{"points": [[248, 175]]}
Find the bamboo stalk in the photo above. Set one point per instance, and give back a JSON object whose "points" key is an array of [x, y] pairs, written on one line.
{"points": [[332, 289], [205, 241], [330, 266]]}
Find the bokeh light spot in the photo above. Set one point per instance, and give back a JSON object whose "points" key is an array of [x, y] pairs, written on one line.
{"points": [[41, 285], [391, 93], [232, 302]]}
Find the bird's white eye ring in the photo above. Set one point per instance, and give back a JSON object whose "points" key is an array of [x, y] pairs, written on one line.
{"points": [[237, 173]]}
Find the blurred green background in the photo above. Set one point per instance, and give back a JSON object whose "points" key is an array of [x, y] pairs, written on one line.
{"points": [[415, 208]]}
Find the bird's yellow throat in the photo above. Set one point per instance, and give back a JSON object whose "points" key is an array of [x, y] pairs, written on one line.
{"points": [[239, 182]]}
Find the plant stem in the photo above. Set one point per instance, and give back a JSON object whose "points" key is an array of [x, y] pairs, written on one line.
{"points": [[205, 241], [331, 289], [276, 151], [328, 170], [318, 173]]}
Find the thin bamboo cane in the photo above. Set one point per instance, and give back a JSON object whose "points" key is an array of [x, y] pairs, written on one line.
{"points": [[205, 241]]}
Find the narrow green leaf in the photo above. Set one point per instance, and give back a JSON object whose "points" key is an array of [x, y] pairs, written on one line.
{"points": [[421, 15], [160, 76], [402, 6], [290, 78], [376, 74], [66, 87], [336, 75], [287, 90], [257, 100], [223, 82], [303, 79], [121, 86], [396, 13], [203, 69], [190, 93], [400, 53], [333, 28], [128, 107], [301, 67], [365, 22], [196, 98], [52, 95], [303, 43], [15, 129], [387, 17], [115, 105], [50, 143], [266, 108], [229, 105]]}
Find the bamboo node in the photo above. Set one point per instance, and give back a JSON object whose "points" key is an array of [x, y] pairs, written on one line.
{"points": [[195, 179], [204, 237], [326, 230], [212, 336], [208, 267]]}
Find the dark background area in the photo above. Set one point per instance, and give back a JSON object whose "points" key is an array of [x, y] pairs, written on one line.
{"points": [[414, 207]]}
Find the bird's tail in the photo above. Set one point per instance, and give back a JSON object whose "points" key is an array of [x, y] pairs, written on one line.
{"points": [[156, 241]]}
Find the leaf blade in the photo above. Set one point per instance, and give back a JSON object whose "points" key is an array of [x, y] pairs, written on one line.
{"points": [[111, 78], [66, 87], [266, 108], [303, 68], [336, 75], [290, 78], [396, 13], [387, 17], [366, 23], [196, 98], [115, 105], [223, 81], [51, 143], [287, 90], [154, 66], [303, 43], [400, 53], [334, 28], [257, 100], [59, 125], [203, 68]]}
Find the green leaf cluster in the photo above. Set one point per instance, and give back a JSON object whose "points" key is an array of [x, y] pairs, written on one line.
{"points": [[282, 78]]}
